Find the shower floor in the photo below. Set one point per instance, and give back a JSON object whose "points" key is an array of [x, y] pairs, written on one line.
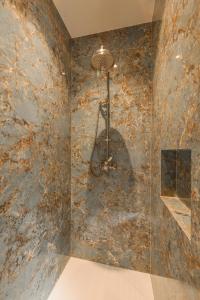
{"points": [[86, 280]]}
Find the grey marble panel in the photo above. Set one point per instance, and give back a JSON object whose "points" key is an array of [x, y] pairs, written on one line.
{"points": [[176, 115], [34, 148], [111, 213]]}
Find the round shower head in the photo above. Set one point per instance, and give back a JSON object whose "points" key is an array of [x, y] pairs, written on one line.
{"points": [[102, 59]]}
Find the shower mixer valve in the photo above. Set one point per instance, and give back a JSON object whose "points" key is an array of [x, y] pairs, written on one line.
{"points": [[108, 165]]}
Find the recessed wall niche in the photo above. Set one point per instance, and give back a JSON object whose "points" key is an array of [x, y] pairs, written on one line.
{"points": [[176, 174]]}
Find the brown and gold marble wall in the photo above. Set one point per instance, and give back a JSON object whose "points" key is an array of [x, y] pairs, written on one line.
{"points": [[34, 148], [175, 248], [111, 213]]}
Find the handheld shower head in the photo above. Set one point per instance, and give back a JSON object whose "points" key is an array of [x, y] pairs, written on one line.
{"points": [[102, 60]]}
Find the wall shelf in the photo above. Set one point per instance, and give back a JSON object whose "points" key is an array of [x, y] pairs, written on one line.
{"points": [[180, 212]]}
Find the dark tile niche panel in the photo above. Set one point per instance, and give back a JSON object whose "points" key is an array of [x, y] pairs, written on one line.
{"points": [[176, 173], [168, 173], [183, 175]]}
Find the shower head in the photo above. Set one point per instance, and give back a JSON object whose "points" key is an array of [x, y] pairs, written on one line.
{"points": [[102, 60]]}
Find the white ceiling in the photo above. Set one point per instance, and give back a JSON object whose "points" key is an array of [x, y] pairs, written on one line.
{"points": [[84, 17]]}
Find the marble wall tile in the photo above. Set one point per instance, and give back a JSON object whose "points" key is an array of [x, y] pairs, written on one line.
{"points": [[111, 214], [176, 119], [34, 148]]}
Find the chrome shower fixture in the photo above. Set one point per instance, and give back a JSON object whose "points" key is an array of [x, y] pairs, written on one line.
{"points": [[102, 60]]}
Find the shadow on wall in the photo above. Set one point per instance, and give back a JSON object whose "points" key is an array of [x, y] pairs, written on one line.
{"points": [[109, 192], [110, 212]]}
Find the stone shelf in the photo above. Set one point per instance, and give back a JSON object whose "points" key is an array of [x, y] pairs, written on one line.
{"points": [[180, 212]]}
